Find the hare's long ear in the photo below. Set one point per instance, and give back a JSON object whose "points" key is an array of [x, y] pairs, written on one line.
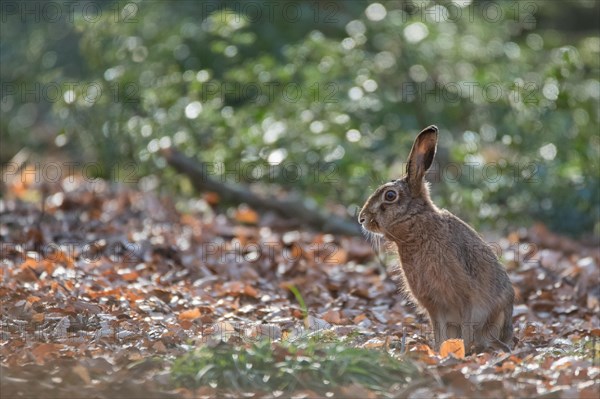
{"points": [[421, 157]]}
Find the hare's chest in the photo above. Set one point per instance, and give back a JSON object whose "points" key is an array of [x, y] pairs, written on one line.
{"points": [[428, 284], [420, 281]]}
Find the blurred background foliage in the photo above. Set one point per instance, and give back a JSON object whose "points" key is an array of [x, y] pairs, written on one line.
{"points": [[322, 99]]}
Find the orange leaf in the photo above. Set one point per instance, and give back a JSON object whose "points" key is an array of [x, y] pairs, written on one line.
{"points": [[507, 367], [105, 293], [61, 257], [373, 343], [212, 198], [246, 215], [424, 353], [455, 347], [234, 288], [131, 276], [132, 296], [43, 351], [185, 324], [425, 349], [250, 291], [26, 274], [337, 256], [189, 314], [29, 263], [332, 316], [38, 318], [515, 359], [296, 251]]}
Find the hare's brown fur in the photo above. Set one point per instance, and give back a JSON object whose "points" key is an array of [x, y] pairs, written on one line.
{"points": [[446, 267]]}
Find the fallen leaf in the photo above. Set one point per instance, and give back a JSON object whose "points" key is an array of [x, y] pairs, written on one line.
{"points": [[337, 256], [507, 367], [43, 352], [212, 198], [425, 349], [131, 276], [373, 343], [38, 317], [250, 291], [159, 347], [188, 315], [455, 347], [332, 316], [246, 215]]}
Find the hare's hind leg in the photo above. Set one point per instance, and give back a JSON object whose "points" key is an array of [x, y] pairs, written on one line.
{"points": [[438, 324], [472, 330], [434, 322], [492, 331], [446, 325], [506, 334], [468, 330]]}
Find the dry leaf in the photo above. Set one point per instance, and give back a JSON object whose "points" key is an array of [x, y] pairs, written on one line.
{"points": [[212, 198], [425, 349], [191, 314], [250, 291], [332, 316], [60, 257], [159, 347], [455, 347], [336, 256], [131, 276], [38, 318], [246, 215], [44, 351], [185, 324], [373, 343], [507, 367], [110, 312], [233, 287]]}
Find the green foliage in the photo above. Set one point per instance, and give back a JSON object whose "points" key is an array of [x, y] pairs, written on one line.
{"points": [[328, 104], [289, 367], [294, 290]]}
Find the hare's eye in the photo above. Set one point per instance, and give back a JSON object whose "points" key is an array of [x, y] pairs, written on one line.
{"points": [[390, 195]]}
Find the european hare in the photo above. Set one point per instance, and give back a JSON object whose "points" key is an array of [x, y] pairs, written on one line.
{"points": [[446, 268]]}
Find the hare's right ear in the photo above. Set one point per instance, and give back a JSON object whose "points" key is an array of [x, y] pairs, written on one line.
{"points": [[421, 157]]}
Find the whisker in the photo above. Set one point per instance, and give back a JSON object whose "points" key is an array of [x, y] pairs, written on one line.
{"points": [[375, 243]]}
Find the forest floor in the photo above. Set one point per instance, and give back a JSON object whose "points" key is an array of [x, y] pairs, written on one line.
{"points": [[114, 293]]}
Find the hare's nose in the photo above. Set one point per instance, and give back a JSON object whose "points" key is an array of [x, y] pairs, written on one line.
{"points": [[361, 219]]}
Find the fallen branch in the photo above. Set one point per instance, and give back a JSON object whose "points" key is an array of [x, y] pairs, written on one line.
{"points": [[292, 209]]}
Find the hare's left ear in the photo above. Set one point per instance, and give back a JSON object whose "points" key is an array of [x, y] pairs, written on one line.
{"points": [[421, 157]]}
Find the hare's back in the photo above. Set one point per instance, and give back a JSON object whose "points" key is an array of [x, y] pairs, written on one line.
{"points": [[470, 247]]}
